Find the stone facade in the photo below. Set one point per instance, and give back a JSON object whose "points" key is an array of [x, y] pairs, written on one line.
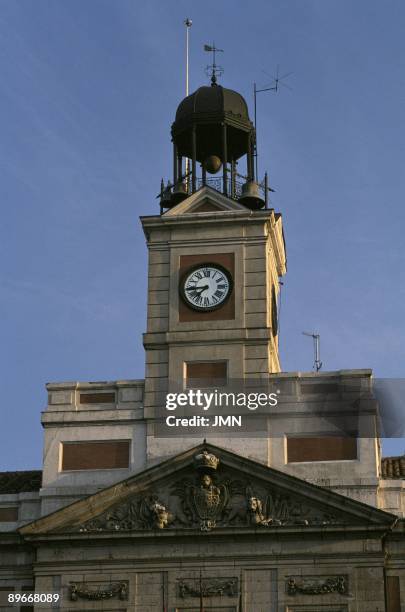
{"points": [[231, 524], [237, 534]]}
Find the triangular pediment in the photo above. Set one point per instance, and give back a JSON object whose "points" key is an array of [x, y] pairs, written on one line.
{"points": [[206, 201], [208, 488]]}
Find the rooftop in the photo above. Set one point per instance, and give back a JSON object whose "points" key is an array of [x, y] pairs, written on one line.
{"points": [[20, 482]]}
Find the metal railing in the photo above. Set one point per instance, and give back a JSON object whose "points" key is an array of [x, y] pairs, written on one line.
{"points": [[234, 186]]}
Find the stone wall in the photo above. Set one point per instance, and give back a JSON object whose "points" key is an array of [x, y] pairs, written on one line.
{"points": [[249, 573]]}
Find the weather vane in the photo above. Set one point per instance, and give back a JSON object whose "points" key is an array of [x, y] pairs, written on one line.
{"points": [[213, 70]]}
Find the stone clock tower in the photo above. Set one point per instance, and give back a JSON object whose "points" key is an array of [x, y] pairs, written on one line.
{"points": [[216, 253]]}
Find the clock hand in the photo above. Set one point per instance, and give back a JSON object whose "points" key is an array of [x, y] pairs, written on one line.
{"points": [[200, 289]]}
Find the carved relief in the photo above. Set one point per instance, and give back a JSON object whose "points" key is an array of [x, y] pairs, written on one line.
{"points": [[271, 509], [209, 587], [82, 590], [202, 503], [209, 501], [316, 585], [144, 513], [206, 461], [255, 514]]}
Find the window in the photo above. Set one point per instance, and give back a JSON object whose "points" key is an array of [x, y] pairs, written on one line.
{"points": [[321, 448], [8, 514], [106, 455], [393, 594], [203, 374], [97, 398]]}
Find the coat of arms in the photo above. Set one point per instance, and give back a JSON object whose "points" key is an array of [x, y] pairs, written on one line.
{"points": [[207, 501], [204, 501]]}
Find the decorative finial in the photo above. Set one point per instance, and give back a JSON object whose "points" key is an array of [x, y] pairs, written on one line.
{"points": [[213, 70]]}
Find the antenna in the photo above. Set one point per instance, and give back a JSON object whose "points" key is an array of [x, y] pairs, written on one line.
{"points": [[272, 86], [213, 70], [317, 354]]}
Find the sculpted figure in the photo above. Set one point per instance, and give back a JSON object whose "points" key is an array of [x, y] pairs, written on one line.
{"points": [[255, 512], [153, 514], [160, 516], [207, 484]]}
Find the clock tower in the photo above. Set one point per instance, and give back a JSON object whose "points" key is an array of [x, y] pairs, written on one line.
{"points": [[216, 254]]}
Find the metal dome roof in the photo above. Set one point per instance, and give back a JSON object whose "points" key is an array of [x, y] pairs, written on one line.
{"points": [[206, 111], [213, 101]]}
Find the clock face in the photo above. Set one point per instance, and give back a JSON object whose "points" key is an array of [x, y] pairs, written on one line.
{"points": [[206, 286]]}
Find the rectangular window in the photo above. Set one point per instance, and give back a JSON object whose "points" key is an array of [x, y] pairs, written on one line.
{"points": [[4, 604], [393, 594], [9, 514], [28, 608], [203, 374], [321, 448], [106, 455], [324, 388], [97, 398]]}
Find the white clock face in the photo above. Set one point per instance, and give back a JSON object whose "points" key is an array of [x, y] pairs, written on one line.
{"points": [[206, 287]]}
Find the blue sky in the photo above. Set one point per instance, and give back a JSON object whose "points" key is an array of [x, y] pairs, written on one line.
{"points": [[88, 94]]}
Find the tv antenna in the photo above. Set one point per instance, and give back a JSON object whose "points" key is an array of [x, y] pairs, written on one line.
{"points": [[213, 70], [274, 85], [317, 349]]}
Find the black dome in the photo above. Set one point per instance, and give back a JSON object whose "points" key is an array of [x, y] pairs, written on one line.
{"points": [[213, 100], [206, 110]]}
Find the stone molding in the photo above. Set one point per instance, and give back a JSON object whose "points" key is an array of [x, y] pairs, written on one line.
{"points": [[316, 585], [208, 587], [83, 591]]}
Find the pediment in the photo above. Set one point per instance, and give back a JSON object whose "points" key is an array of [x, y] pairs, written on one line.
{"points": [[208, 488], [205, 201]]}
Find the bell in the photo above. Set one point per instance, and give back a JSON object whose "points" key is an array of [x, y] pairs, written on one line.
{"points": [[165, 195], [212, 164], [251, 196], [179, 193]]}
